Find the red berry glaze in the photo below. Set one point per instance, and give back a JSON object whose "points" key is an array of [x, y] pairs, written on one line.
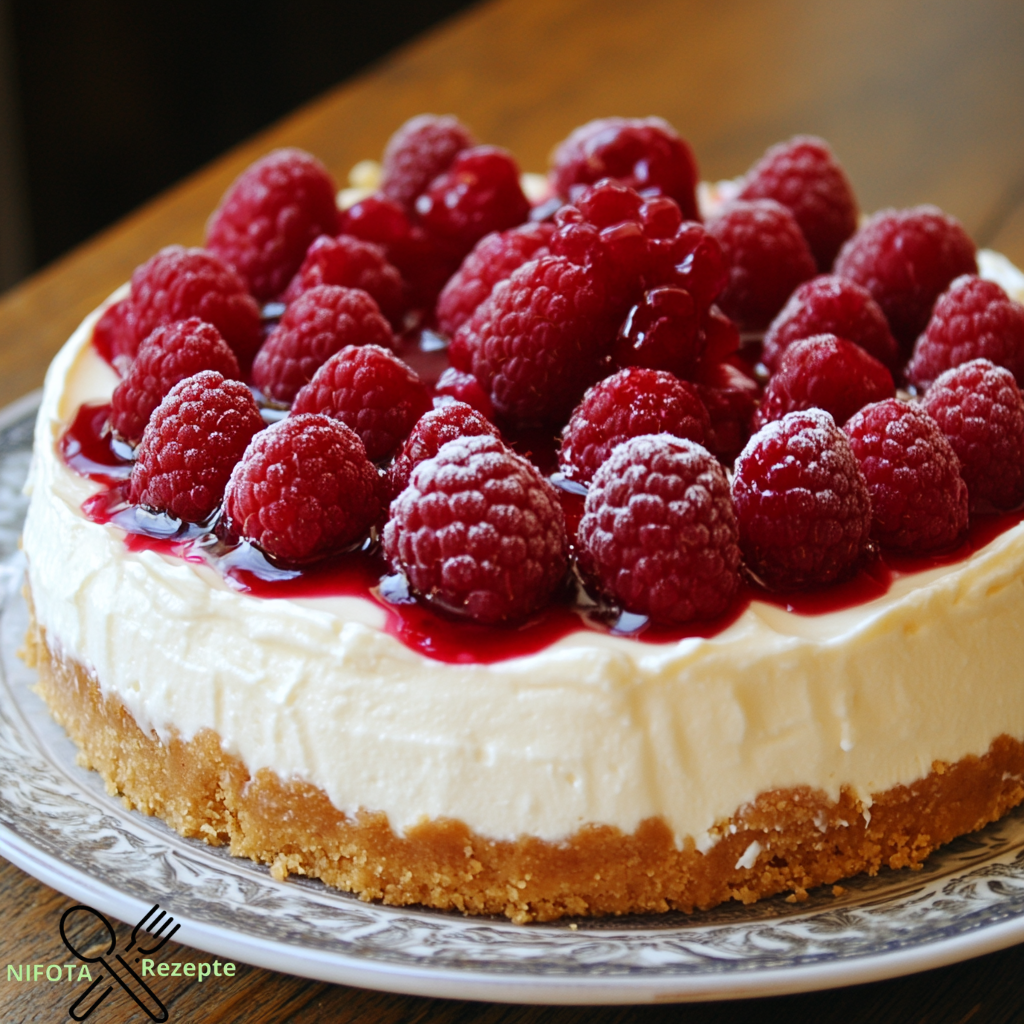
{"points": [[418, 152], [974, 319], [351, 263], [190, 446], [801, 501], [433, 429], [824, 372], [767, 257], [464, 387], [979, 408], [317, 324], [830, 304], [269, 217], [630, 403], [658, 530], [478, 194], [647, 154], [918, 499], [303, 490], [907, 259], [178, 283], [168, 355], [479, 532], [804, 175], [536, 343], [493, 259], [370, 390]]}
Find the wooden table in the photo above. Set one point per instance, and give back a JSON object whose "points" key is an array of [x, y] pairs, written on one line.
{"points": [[923, 102]]}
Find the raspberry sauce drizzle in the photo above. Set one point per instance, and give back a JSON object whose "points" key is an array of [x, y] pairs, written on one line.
{"points": [[86, 448]]}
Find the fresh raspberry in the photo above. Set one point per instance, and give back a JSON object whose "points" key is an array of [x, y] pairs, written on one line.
{"points": [[824, 372], [979, 408], [492, 260], [730, 398], [114, 335], [418, 152], [190, 446], [479, 193], [659, 532], [630, 403], [907, 259], [424, 265], [918, 498], [663, 332], [168, 355], [801, 501], [721, 340], [303, 490], [536, 343], [370, 390], [178, 283], [804, 175], [269, 217], [689, 258], [974, 319], [433, 429], [647, 154], [830, 304], [464, 387], [767, 257], [317, 324], [479, 532], [351, 263]]}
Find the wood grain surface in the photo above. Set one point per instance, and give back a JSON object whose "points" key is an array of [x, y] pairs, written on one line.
{"points": [[922, 101]]}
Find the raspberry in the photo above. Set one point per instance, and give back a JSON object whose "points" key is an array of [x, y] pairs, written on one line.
{"points": [[114, 334], [479, 532], [979, 408], [492, 260], [663, 332], [269, 217], [630, 403], [918, 499], [351, 263], [659, 532], [370, 390], [690, 258], [801, 501], [479, 193], [168, 355], [190, 446], [303, 490], [178, 283], [432, 430], [832, 305], [730, 398], [536, 342], [974, 319], [464, 387], [317, 324], [645, 154], [824, 372], [767, 257], [418, 152], [804, 175], [907, 259]]}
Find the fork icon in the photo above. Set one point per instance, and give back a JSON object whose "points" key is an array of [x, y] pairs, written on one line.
{"points": [[150, 928]]}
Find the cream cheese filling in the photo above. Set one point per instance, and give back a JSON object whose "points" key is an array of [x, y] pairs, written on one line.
{"points": [[594, 729]]}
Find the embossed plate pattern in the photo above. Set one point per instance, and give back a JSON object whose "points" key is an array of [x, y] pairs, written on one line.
{"points": [[58, 823]]}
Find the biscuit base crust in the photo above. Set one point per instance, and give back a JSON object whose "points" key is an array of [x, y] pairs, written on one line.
{"points": [[803, 838]]}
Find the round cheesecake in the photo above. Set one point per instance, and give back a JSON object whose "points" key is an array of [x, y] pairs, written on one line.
{"points": [[596, 774]]}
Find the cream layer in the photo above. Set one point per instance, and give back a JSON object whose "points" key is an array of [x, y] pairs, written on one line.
{"points": [[594, 729]]}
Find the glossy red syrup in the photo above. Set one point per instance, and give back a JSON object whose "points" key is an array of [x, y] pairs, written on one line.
{"points": [[86, 448]]}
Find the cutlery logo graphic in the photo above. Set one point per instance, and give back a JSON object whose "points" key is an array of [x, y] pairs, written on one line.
{"points": [[135, 987]]}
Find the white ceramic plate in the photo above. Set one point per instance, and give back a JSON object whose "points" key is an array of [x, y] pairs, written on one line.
{"points": [[58, 823]]}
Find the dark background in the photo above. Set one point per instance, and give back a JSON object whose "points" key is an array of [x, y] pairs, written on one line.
{"points": [[104, 103]]}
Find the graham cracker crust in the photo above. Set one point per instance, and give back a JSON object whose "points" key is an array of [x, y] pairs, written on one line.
{"points": [[803, 838]]}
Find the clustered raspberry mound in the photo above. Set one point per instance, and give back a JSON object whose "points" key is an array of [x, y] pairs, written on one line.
{"points": [[725, 392]]}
